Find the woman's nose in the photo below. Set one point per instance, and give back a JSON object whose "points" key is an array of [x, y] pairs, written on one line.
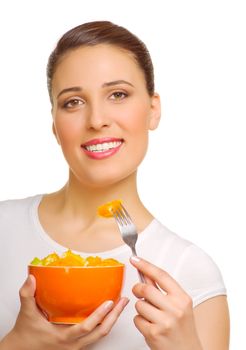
{"points": [[97, 117]]}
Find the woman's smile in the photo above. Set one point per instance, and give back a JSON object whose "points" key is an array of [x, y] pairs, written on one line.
{"points": [[102, 148]]}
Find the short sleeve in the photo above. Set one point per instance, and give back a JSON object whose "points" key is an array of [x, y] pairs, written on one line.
{"points": [[199, 275]]}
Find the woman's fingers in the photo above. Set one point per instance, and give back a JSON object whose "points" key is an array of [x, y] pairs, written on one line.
{"points": [[142, 324], [149, 293], [161, 277], [28, 288], [106, 325], [112, 317], [149, 281], [102, 319], [27, 299], [149, 312], [91, 321]]}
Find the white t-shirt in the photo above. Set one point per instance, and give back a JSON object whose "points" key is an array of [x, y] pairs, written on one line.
{"points": [[22, 237]]}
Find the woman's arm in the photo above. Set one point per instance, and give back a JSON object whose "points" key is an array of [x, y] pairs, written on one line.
{"points": [[212, 323]]}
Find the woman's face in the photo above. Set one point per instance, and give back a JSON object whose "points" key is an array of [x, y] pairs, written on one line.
{"points": [[102, 113]]}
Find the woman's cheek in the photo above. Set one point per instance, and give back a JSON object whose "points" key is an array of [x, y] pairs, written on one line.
{"points": [[68, 130], [137, 120]]}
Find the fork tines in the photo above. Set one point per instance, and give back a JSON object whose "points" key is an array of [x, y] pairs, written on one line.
{"points": [[122, 216]]}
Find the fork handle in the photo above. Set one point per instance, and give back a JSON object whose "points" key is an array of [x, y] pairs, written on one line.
{"points": [[141, 277], [140, 274]]}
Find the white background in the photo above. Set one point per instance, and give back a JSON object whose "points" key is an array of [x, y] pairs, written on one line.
{"points": [[193, 178]]}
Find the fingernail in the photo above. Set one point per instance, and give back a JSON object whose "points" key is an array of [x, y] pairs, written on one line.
{"points": [[135, 259], [108, 304]]}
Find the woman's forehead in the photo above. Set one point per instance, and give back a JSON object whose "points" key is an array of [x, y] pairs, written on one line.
{"points": [[97, 63], [97, 54]]}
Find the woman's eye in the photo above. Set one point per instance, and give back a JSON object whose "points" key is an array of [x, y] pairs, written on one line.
{"points": [[75, 102], [118, 95]]}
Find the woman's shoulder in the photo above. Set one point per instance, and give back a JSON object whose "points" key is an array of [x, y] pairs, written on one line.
{"points": [[180, 248], [12, 206], [194, 269], [161, 238], [199, 275]]}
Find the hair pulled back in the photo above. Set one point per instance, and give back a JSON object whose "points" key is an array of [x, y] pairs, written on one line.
{"points": [[102, 32]]}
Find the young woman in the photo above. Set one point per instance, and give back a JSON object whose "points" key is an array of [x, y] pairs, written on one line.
{"points": [[101, 86]]}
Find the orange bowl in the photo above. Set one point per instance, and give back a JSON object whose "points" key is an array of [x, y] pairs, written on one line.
{"points": [[69, 294]]}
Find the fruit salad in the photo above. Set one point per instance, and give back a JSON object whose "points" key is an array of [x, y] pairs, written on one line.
{"points": [[69, 258]]}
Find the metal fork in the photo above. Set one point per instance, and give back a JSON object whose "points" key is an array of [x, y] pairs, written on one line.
{"points": [[128, 231]]}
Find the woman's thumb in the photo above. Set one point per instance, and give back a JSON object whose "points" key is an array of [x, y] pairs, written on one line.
{"points": [[28, 288]]}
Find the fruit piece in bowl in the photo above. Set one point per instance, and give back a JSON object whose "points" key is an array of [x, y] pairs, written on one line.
{"points": [[69, 288]]}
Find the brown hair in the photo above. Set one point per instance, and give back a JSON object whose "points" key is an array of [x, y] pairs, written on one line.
{"points": [[102, 32]]}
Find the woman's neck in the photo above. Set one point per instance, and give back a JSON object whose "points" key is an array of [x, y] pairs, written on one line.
{"points": [[70, 217], [77, 200], [76, 196]]}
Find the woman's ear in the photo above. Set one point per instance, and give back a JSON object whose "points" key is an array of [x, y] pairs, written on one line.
{"points": [[155, 113], [55, 133]]}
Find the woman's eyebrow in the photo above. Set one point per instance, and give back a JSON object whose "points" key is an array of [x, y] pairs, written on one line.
{"points": [[78, 88], [73, 89], [117, 82]]}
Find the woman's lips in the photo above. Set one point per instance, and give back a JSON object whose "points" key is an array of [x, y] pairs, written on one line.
{"points": [[102, 148]]}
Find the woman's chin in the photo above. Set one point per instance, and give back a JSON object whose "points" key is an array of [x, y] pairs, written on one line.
{"points": [[104, 180]]}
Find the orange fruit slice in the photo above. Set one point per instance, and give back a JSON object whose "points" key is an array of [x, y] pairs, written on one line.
{"points": [[106, 210]]}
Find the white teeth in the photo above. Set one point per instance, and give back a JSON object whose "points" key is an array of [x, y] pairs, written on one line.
{"points": [[101, 147]]}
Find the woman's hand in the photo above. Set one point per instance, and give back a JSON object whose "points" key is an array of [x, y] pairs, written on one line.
{"points": [[165, 314], [33, 331]]}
